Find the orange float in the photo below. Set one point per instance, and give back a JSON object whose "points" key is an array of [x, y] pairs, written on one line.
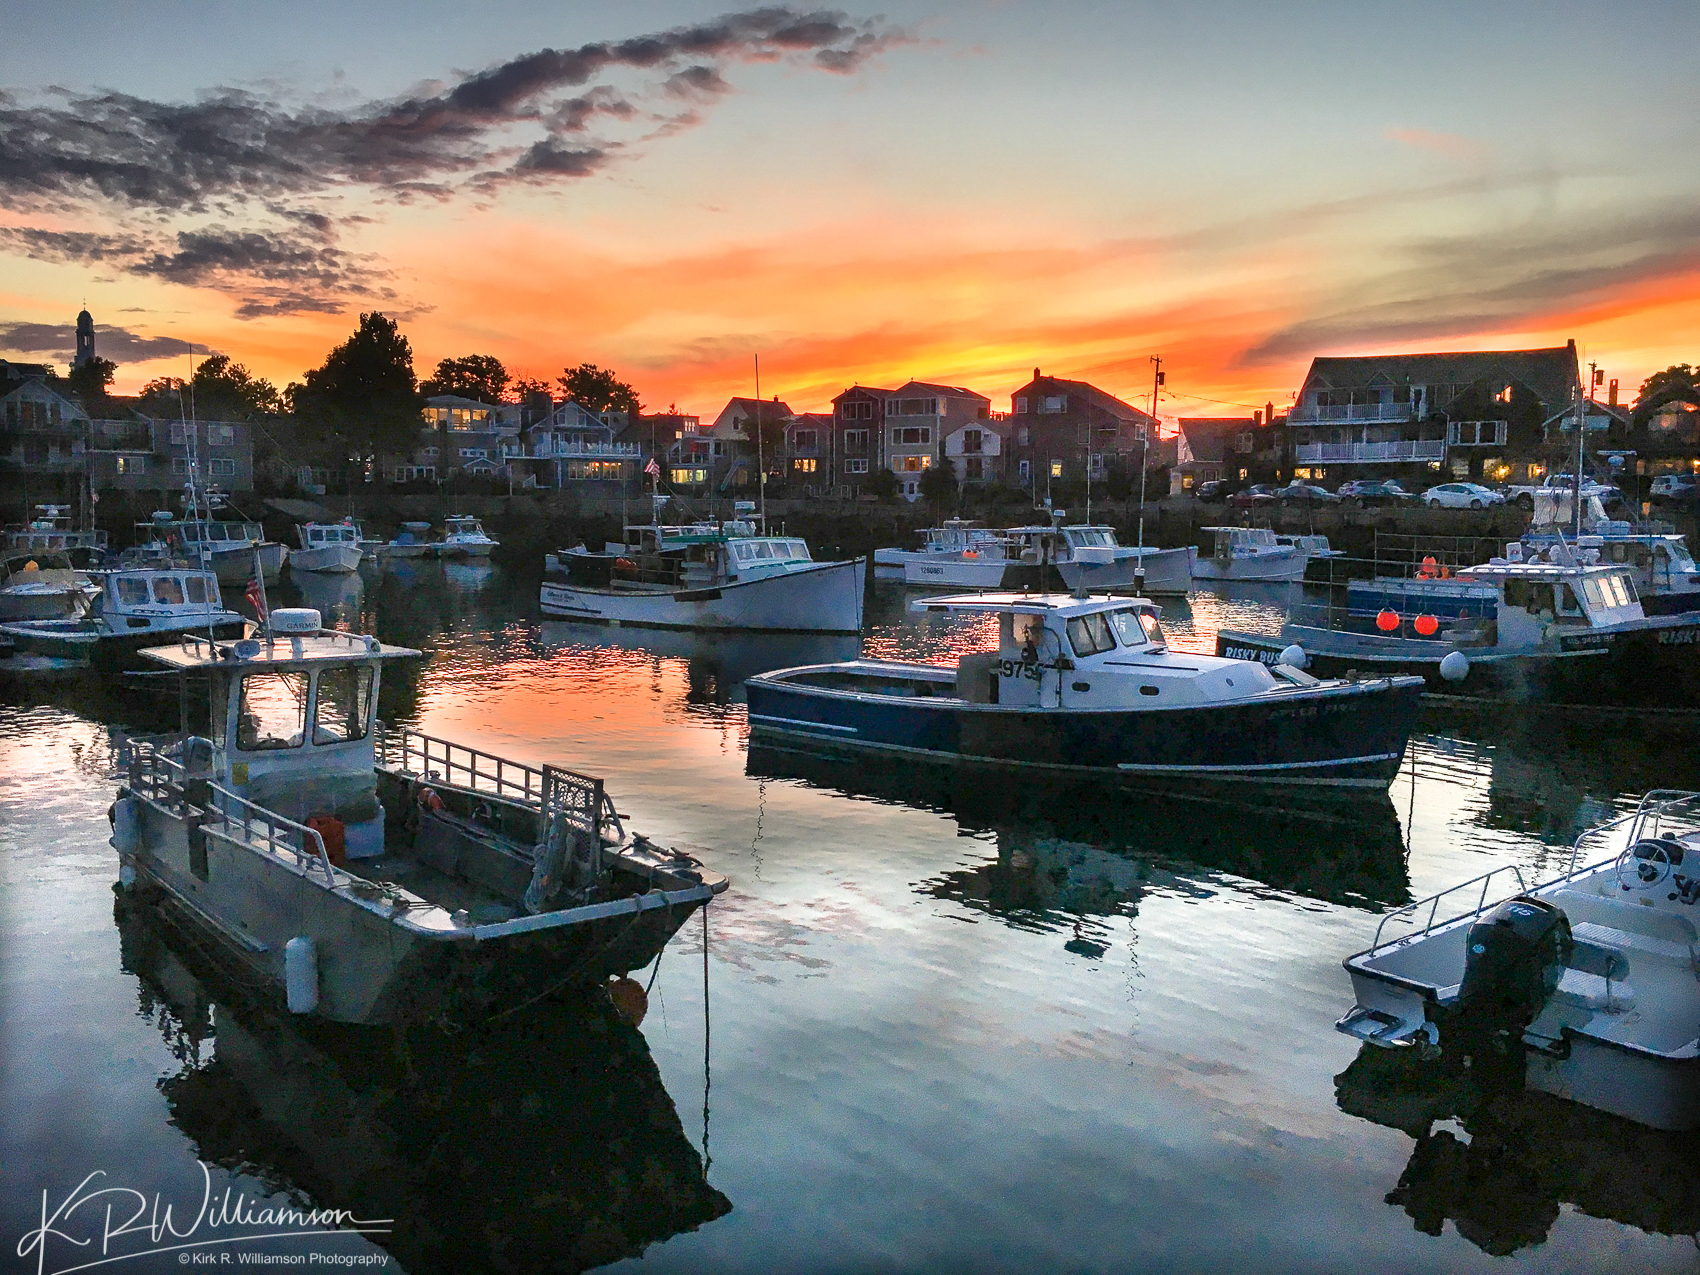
{"points": [[1426, 625], [1387, 621]]}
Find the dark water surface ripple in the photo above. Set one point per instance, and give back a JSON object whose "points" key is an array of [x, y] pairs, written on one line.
{"points": [[956, 1025]]}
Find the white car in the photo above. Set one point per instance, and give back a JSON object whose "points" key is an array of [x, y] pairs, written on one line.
{"points": [[1461, 496]]}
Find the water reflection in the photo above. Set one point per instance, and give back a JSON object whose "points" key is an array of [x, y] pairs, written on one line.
{"points": [[1070, 848], [717, 664], [546, 1143], [1511, 1160]]}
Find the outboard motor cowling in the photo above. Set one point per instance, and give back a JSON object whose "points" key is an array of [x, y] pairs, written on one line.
{"points": [[1513, 959]]}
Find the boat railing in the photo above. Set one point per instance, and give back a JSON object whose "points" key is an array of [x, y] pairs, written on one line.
{"points": [[176, 785], [559, 796], [1657, 809], [1411, 913]]}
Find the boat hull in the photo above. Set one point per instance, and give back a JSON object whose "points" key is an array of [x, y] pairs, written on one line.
{"points": [[825, 598], [236, 566], [1350, 737], [337, 559], [1656, 667], [1166, 571], [470, 550], [39, 603], [86, 643], [1272, 566]]}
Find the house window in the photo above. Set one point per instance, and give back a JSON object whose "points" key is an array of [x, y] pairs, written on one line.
{"points": [[429, 451], [132, 464], [221, 468], [863, 411], [473, 453], [179, 466], [1054, 403], [856, 443], [1024, 469], [803, 466], [856, 465], [912, 435], [1021, 405], [972, 441], [803, 440], [688, 477], [1056, 469], [412, 473], [1022, 436], [221, 435], [973, 469], [597, 470], [911, 464], [916, 407], [1243, 442]]}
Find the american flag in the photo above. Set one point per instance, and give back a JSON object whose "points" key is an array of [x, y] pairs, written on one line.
{"points": [[652, 469], [256, 596]]}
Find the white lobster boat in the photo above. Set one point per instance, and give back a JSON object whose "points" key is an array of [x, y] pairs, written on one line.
{"points": [[1589, 984], [373, 875], [1254, 553], [1079, 556], [464, 537], [132, 608], [333, 548]]}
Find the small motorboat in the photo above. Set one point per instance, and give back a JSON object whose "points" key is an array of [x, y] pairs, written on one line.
{"points": [[332, 548], [134, 607], [1088, 685], [373, 875], [1584, 987], [938, 544], [712, 576], [464, 537], [42, 584], [1565, 632], [1253, 553], [1075, 556], [412, 541]]}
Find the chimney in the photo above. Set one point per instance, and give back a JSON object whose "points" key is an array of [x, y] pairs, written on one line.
{"points": [[1611, 393], [1269, 413], [1256, 418], [1035, 374]]}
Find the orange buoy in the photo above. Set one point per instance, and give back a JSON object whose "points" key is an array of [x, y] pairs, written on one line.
{"points": [[969, 553], [631, 1002], [1387, 621], [1426, 625], [330, 831], [430, 799], [1430, 568]]}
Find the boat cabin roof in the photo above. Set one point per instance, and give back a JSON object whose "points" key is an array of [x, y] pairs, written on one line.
{"points": [[291, 650], [1063, 604], [1537, 571]]}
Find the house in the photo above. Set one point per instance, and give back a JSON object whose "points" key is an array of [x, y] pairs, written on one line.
{"points": [[1063, 428], [676, 442], [808, 451], [1240, 449], [976, 450], [462, 436], [141, 453], [734, 429], [858, 433], [572, 446], [43, 427], [1417, 416], [918, 415]]}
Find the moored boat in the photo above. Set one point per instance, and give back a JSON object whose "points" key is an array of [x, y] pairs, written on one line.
{"points": [[491, 883], [333, 548], [42, 584], [228, 548], [1559, 633], [937, 544], [1089, 685], [464, 537], [1583, 986], [135, 607], [1251, 553], [1074, 556], [412, 541], [706, 576]]}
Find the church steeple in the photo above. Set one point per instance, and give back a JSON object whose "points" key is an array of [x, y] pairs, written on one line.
{"points": [[85, 338]]}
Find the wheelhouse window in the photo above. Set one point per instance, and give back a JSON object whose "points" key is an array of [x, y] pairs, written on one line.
{"points": [[1134, 627], [340, 714], [196, 588], [272, 711], [1090, 634], [168, 590], [132, 591]]}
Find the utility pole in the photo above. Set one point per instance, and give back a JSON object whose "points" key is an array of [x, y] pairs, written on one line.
{"points": [[1581, 429], [1145, 451], [761, 465]]}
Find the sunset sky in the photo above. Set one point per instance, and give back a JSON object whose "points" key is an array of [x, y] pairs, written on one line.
{"points": [[952, 191]]}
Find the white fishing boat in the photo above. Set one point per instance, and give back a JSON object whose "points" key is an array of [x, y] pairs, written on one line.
{"points": [[369, 875], [228, 548], [1583, 987], [134, 607], [42, 584], [706, 576], [938, 544], [333, 548], [1079, 556], [412, 541], [52, 530], [464, 537], [1251, 553]]}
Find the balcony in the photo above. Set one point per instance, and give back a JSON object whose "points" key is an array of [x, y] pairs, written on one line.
{"points": [[1400, 450], [583, 451], [1303, 415]]}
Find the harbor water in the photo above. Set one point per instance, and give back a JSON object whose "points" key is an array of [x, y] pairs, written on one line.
{"points": [[938, 1023]]}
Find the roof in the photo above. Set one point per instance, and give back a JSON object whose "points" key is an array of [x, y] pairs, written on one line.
{"points": [[315, 648], [1103, 400], [1206, 436], [873, 391], [948, 391], [1551, 373]]}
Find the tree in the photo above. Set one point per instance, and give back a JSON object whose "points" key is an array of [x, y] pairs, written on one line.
{"points": [[363, 402], [475, 376], [220, 390], [938, 484], [89, 381], [882, 483], [597, 389], [522, 388], [1679, 383]]}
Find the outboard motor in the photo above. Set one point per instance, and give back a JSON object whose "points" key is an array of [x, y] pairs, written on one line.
{"points": [[1513, 959]]}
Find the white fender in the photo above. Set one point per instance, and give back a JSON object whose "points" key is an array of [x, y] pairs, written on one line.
{"points": [[301, 975], [127, 825], [1294, 656], [1455, 667]]}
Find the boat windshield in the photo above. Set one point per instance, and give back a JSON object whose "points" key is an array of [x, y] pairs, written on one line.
{"points": [[272, 712], [1135, 627], [340, 711], [1093, 538], [1090, 634]]}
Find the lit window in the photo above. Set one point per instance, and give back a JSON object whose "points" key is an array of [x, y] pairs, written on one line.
{"points": [[803, 466], [1056, 469]]}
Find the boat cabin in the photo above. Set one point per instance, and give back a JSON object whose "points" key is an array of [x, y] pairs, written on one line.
{"points": [[1536, 596], [1059, 651], [139, 597], [315, 535], [51, 530], [465, 526], [292, 713], [699, 554]]}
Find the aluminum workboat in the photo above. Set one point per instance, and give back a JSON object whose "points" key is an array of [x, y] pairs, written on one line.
{"points": [[372, 875], [1089, 685]]}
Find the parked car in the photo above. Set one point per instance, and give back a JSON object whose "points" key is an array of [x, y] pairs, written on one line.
{"points": [[1256, 494], [1375, 491], [1674, 488], [1461, 496], [1302, 493], [1213, 492], [1562, 483]]}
